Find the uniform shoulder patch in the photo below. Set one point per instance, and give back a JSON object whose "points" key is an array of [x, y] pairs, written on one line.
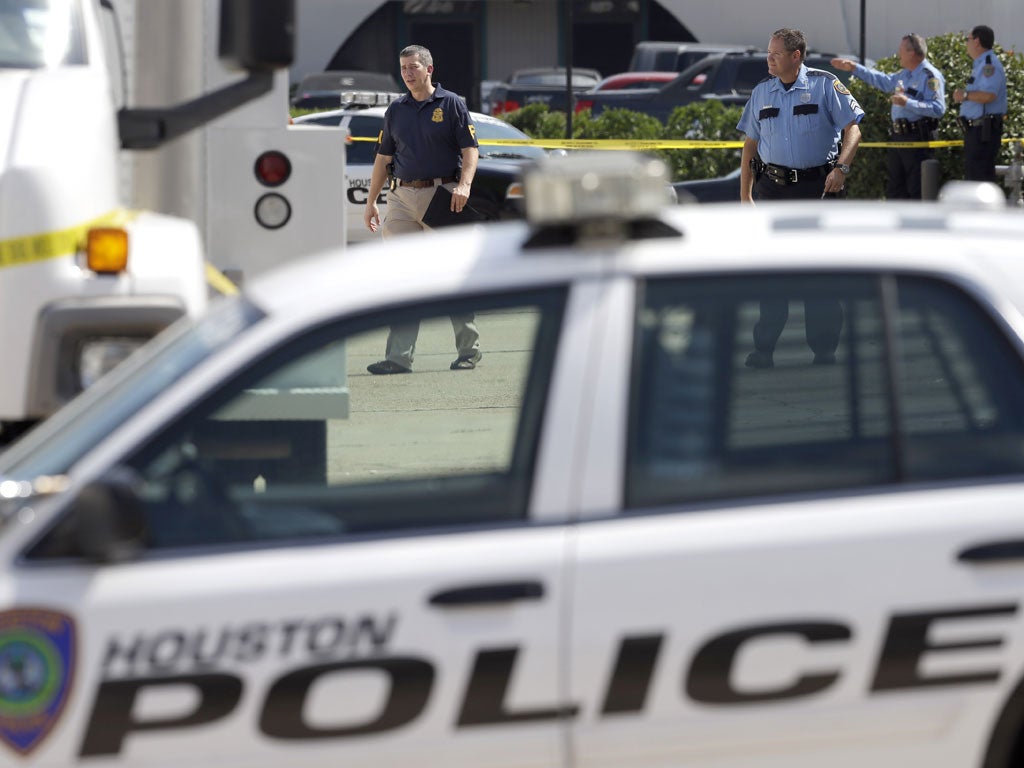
{"points": [[840, 88], [988, 70], [933, 84]]}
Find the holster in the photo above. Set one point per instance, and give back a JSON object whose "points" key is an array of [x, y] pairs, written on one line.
{"points": [[757, 167], [392, 181]]}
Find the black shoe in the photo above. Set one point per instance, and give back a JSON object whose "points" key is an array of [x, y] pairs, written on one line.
{"points": [[758, 359], [386, 367], [466, 362], [825, 358]]}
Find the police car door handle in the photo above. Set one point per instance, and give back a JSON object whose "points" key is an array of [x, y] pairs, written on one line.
{"points": [[993, 552], [498, 592]]}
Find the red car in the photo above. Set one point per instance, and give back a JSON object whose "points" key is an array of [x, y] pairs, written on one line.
{"points": [[626, 80]]}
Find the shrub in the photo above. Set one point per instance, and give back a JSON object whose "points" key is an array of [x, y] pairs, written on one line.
{"points": [[707, 120]]}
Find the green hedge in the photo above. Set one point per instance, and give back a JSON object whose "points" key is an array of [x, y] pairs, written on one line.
{"points": [[710, 120], [707, 120]]}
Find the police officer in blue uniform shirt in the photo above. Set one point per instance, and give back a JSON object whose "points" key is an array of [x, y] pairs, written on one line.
{"points": [[429, 140], [793, 123], [982, 106], [918, 101]]}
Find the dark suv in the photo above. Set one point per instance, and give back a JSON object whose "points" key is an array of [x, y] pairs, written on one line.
{"points": [[729, 77]]}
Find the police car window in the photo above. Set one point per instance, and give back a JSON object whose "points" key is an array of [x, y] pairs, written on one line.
{"points": [[706, 426], [274, 457], [961, 387], [360, 151]]}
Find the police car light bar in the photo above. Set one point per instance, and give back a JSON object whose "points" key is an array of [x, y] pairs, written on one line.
{"points": [[611, 186]]}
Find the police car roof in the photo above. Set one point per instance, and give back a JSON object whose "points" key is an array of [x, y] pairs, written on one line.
{"points": [[980, 247]]}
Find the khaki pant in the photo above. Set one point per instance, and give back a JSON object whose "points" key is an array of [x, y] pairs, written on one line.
{"points": [[406, 206]]}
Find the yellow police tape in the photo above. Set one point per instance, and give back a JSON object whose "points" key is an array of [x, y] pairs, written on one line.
{"points": [[64, 242], [219, 281], [677, 143]]}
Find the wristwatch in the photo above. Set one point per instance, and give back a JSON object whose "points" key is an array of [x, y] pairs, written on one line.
{"points": [[844, 168]]}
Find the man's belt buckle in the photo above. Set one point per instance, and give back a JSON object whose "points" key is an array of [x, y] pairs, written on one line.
{"points": [[792, 176]]}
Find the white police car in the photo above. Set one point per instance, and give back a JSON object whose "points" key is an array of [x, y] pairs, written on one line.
{"points": [[497, 185], [610, 544]]}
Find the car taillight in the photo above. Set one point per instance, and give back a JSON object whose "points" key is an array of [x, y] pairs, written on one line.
{"points": [[584, 104], [273, 168], [504, 106]]}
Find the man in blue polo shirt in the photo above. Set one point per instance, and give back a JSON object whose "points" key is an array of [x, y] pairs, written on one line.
{"points": [[982, 106], [802, 130], [428, 140]]}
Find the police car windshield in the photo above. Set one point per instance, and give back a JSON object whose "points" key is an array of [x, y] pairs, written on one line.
{"points": [[57, 444], [40, 33]]}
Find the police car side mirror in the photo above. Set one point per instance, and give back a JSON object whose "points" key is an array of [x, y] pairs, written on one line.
{"points": [[109, 518]]}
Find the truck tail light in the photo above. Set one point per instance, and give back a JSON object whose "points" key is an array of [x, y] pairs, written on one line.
{"points": [[273, 168], [106, 250]]}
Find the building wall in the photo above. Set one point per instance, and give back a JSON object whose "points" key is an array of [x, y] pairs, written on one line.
{"points": [[519, 35], [528, 31], [834, 25]]}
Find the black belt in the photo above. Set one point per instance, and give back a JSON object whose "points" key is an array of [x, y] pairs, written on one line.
{"points": [[978, 121], [920, 127], [780, 174], [421, 183]]}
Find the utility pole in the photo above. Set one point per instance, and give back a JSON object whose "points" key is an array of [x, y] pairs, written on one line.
{"points": [[863, 32], [571, 106]]}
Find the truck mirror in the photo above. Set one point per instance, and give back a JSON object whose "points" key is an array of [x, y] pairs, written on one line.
{"points": [[257, 34]]}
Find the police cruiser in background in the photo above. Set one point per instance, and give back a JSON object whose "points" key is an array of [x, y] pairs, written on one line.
{"points": [[611, 544], [497, 186]]}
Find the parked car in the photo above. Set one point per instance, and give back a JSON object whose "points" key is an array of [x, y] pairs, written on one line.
{"points": [[650, 55], [609, 544], [497, 185], [540, 85], [721, 189], [323, 90], [728, 77], [626, 81]]}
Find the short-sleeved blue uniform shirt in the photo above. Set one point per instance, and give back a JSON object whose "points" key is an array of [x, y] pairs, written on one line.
{"points": [[986, 75], [799, 127], [924, 85], [426, 138]]}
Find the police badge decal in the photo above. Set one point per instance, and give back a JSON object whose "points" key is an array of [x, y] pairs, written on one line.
{"points": [[37, 660]]}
